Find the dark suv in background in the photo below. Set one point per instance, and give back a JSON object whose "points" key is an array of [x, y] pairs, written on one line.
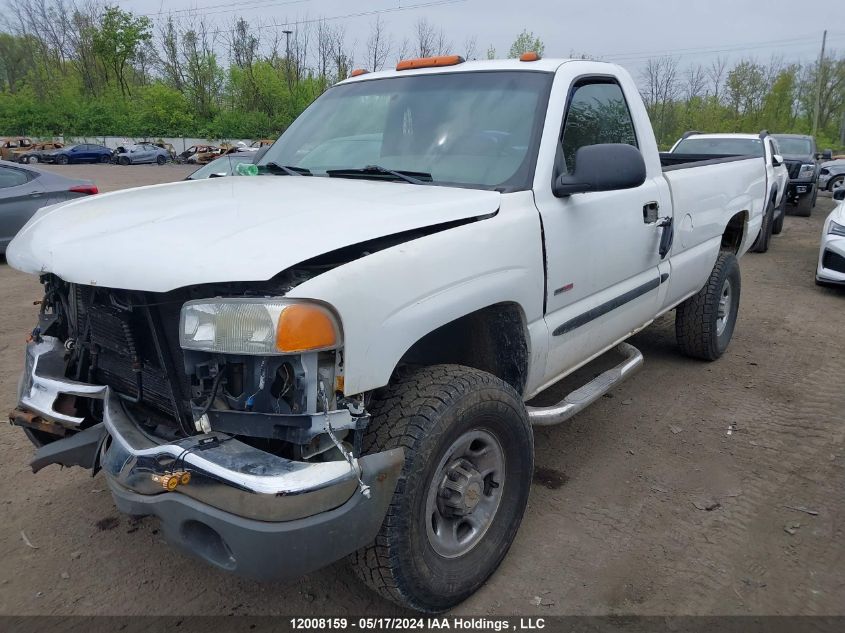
{"points": [[802, 160]]}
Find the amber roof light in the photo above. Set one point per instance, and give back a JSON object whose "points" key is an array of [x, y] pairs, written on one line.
{"points": [[358, 71], [429, 62], [529, 56]]}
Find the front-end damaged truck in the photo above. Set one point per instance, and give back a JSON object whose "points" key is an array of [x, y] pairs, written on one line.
{"points": [[331, 358]]}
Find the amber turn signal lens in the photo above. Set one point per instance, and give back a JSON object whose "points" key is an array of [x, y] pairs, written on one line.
{"points": [[305, 327], [429, 62]]}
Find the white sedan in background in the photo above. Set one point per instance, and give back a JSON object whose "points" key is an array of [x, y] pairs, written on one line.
{"points": [[831, 270]]}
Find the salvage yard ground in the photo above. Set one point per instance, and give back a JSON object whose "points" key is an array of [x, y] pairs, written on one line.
{"points": [[693, 488]]}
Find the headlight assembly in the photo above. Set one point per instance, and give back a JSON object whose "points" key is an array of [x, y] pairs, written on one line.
{"points": [[806, 171], [836, 229], [262, 327]]}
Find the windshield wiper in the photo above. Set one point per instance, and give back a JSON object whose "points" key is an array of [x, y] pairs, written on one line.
{"points": [[413, 177], [290, 170]]}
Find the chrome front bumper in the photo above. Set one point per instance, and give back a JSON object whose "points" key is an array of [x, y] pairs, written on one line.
{"points": [[224, 472]]}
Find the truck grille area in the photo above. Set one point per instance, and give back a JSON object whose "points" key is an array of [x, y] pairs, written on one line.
{"points": [[793, 167], [125, 352]]}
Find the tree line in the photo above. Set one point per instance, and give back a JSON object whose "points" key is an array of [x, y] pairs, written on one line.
{"points": [[84, 68]]}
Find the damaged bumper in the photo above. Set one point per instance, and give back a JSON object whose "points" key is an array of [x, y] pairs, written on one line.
{"points": [[239, 508]]}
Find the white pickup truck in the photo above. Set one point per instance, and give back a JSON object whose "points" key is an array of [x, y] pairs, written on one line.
{"points": [[332, 357], [764, 145]]}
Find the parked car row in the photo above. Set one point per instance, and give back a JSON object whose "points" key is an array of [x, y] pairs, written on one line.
{"points": [[21, 149]]}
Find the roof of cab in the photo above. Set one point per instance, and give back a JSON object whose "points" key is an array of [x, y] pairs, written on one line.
{"points": [[543, 65]]}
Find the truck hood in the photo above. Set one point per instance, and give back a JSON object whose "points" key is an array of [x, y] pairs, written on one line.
{"points": [[240, 228]]}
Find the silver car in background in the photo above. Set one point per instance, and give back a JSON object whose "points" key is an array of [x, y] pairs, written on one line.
{"points": [[832, 175], [24, 190], [143, 153]]}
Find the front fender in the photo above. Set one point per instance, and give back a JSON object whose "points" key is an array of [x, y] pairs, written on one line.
{"points": [[389, 300]]}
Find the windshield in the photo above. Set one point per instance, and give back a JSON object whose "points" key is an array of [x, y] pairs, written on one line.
{"points": [[224, 166], [720, 146], [477, 129], [795, 146]]}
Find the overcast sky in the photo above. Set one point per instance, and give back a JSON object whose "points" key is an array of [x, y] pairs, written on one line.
{"points": [[627, 32]]}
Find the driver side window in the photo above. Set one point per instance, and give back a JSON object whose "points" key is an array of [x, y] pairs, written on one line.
{"points": [[597, 113]]}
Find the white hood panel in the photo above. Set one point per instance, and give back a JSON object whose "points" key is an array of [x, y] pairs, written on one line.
{"points": [[163, 237]]}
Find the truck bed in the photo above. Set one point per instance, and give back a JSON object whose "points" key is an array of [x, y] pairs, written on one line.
{"points": [[671, 161]]}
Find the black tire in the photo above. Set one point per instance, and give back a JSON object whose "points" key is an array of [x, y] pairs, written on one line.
{"points": [[697, 328], [777, 225], [805, 206], [106, 158], [123, 160], [761, 244], [428, 411], [836, 182], [61, 159], [161, 160], [31, 160]]}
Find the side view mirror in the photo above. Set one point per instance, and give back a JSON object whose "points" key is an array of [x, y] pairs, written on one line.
{"points": [[603, 167], [777, 160], [827, 154]]}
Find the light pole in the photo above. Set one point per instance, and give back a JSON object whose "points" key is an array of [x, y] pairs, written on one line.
{"points": [[287, 58]]}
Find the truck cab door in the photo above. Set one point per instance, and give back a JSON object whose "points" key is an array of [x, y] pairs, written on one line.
{"points": [[605, 274]]}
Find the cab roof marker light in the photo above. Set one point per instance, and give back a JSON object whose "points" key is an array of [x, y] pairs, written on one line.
{"points": [[358, 71], [430, 62], [530, 56]]}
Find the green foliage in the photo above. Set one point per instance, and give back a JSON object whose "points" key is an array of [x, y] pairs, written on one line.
{"points": [[118, 40], [107, 76], [524, 43]]}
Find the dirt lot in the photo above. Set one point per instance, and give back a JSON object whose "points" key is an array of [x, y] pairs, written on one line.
{"points": [[671, 496]]}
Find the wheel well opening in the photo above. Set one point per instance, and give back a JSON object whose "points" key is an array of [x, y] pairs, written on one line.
{"points": [[732, 237], [492, 339]]}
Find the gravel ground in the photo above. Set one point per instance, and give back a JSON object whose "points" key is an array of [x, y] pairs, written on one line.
{"points": [[679, 493]]}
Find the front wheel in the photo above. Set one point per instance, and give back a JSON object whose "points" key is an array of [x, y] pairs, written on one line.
{"points": [[469, 456], [105, 158], [123, 160], [704, 323], [62, 159], [161, 160], [836, 184]]}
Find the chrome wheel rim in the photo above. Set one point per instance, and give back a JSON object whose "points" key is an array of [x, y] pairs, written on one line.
{"points": [[724, 312], [465, 493]]}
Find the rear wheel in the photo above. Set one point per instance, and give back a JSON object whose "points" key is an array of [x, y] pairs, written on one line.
{"points": [[761, 244], [31, 159], [704, 323], [469, 454], [780, 214]]}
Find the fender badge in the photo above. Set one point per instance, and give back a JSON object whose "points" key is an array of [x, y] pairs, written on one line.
{"points": [[565, 288]]}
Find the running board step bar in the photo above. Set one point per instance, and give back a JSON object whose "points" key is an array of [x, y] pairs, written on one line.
{"points": [[584, 396]]}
